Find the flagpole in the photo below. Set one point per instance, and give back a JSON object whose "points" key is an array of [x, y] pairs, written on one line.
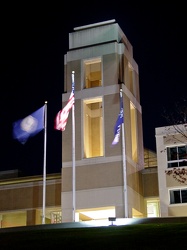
{"points": [[44, 163], [73, 153], [124, 165]]}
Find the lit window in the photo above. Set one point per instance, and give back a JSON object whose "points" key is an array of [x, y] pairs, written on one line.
{"points": [[93, 127], [56, 217], [152, 208], [177, 156], [92, 73], [133, 132], [130, 71]]}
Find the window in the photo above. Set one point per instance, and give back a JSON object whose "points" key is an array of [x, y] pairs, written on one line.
{"points": [[133, 132], [178, 196], [177, 156], [153, 208], [93, 127], [92, 73], [56, 217], [130, 68]]}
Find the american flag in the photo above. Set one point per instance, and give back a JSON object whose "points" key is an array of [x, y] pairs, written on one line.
{"points": [[62, 116]]}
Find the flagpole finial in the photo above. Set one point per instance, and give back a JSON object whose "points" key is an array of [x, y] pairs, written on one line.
{"points": [[46, 102], [73, 72]]}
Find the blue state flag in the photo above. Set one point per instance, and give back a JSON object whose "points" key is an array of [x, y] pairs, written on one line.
{"points": [[29, 126], [117, 127]]}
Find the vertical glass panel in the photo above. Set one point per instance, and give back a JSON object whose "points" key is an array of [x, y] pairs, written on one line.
{"points": [[133, 132], [175, 196], [92, 73], [130, 69], [93, 127], [172, 154], [184, 195], [182, 152]]}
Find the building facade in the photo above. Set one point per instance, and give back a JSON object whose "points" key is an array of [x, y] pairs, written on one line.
{"points": [[98, 180], [171, 143], [22, 199]]}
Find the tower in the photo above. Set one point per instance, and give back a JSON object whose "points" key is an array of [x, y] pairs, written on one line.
{"points": [[102, 58]]}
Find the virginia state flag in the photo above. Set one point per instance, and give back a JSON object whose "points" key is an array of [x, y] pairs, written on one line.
{"points": [[29, 126], [117, 127]]}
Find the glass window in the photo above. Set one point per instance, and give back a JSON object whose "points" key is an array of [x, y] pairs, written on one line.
{"points": [[178, 196], [184, 195], [56, 217], [92, 73], [152, 208], [134, 132], [175, 196], [130, 71], [93, 127], [177, 156], [172, 154], [182, 152]]}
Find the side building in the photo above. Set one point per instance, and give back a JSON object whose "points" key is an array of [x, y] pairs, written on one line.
{"points": [[171, 143], [22, 199]]}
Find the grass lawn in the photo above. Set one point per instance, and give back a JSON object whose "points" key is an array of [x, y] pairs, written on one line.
{"points": [[141, 236]]}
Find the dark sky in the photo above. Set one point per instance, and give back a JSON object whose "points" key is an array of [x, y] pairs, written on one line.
{"points": [[33, 43]]}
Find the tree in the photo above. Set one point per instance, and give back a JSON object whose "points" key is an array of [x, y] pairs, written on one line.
{"points": [[177, 116]]}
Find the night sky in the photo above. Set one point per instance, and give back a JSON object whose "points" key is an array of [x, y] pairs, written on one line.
{"points": [[33, 43]]}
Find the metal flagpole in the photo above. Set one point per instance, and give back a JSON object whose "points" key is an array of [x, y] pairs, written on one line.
{"points": [[124, 164], [73, 152], [44, 163]]}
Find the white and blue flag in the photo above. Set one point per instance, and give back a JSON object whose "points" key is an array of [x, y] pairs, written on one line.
{"points": [[117, 127], [29, 126]]}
